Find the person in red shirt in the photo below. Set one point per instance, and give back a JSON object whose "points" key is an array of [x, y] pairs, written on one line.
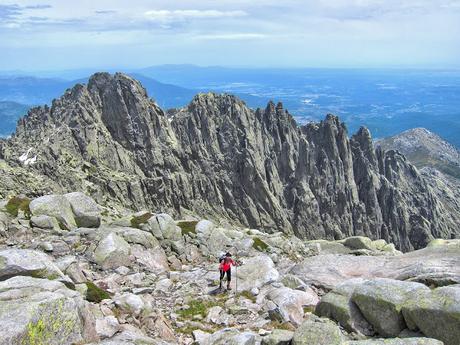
{"points": [[225, 268]]}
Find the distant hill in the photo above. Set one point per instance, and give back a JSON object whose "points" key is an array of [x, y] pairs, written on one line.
{"points": [[32, 90], [425, 149], [10, 112]]}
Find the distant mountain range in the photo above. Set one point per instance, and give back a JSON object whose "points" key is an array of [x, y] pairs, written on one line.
{"points": [[387, 102]]}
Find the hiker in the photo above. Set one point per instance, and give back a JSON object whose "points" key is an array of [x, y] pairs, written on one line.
{"points": [[225, 268]]}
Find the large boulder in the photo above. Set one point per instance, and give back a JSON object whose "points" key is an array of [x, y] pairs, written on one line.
{"points": [[26, 262], [44, 222], [163, 226], [358, 242], [215, 241], [256, 272], [152, 259], [381, 300], [278, 337], [86, 211], [131, 303], [337, 305], [435, 313], [395, 341], [56, 206], [291, 303], [204, 228], [317, 331], [133, 236], [112, 251], [40, 311]]}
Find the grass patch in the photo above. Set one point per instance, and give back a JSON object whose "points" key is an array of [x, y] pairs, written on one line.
{"points": [[188, 226], [136, 221], [309, 309], [95, 293], [188, 329], [248, 295], [18, 203], [259, 244], [197, 307]]}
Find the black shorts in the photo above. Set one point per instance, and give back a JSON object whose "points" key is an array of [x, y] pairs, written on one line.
{"points": [[229, 275]]}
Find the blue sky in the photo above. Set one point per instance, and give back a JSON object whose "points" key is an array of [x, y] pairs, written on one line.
{"points": [[62, 34]]}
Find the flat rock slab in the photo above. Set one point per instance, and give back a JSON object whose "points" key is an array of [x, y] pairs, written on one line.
{"points": [[434, 265]]}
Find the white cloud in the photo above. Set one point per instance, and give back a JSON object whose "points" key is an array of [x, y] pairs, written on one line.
{"points": [[311, 32], [181, 15], [234, 36]]}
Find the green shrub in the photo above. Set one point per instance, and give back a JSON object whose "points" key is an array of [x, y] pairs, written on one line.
{"points": [[18, 203], [95, 293], [137, 221], [188, 226], [259, 245]]}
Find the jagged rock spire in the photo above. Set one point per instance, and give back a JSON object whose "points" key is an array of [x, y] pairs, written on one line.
{"points": [[219, 158]]}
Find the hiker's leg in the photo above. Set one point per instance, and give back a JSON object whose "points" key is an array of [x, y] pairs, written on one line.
{"points": [[222, 274], [229, 279]]}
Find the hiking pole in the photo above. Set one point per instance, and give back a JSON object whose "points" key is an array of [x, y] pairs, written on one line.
{"points": [[236, 277]]}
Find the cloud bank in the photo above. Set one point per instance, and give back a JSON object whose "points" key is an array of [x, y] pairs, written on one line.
{"points": [[320, 33]]}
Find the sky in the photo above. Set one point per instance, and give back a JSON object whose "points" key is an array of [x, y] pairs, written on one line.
{"points": [[62, 34]]}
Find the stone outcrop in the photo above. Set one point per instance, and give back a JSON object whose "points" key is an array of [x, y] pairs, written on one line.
{"points": [[146, 278], [436, 265], [219, 158], [40, 311]]}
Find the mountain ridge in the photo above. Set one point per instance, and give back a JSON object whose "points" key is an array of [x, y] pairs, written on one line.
{"points": [[218, 157], [424, 148]]}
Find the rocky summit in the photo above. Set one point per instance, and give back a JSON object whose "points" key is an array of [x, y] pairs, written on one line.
{"points": [[221, 160], [114, 215]]}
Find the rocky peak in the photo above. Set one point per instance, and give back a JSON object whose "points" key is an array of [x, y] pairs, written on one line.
{"points": [[221, 159], [425, 149]]}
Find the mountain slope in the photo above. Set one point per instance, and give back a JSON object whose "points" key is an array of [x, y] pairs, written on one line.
{"points": [[425, 149], [219, 158]]}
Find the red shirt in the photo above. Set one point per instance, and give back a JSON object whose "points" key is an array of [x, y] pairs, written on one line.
{"points": [[226, 264]]}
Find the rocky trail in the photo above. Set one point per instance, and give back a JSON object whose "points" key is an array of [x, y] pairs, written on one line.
{"points": [[74, 272]]}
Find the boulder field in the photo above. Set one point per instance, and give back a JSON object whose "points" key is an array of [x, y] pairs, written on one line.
{"points": [[75, 272]]}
